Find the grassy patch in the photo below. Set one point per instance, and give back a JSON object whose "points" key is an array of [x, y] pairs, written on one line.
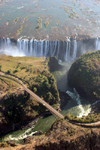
{"points": [[5, 84]]}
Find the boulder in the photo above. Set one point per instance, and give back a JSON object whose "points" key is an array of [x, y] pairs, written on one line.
{"points": [[84, 75], [28, 140], [38, 133], [53, 64]]}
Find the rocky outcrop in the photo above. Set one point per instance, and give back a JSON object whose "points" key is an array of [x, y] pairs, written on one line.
{"points": [[53, 64], [28, 140], [65, 98], [84, 75]]}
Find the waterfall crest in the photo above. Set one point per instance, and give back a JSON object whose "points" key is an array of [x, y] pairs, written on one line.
{"points": [[63, 50]]}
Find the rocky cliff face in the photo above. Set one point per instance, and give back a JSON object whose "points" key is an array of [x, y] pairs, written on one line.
{"points": [[84, 75]]}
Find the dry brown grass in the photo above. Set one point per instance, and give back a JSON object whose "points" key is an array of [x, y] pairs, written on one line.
{"points": [[7, 85], [22, 67]]}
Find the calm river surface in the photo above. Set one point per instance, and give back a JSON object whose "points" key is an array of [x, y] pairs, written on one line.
{"points": [[64, 18]]}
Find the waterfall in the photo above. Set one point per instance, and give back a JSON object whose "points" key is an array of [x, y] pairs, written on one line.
{"points": [[63, 50], [58, 48], [55, 47], [74, 50], [67, 54], [97, 44], [31, 46], [76, 97], [42, 42], [46, 48], [35, 48], [8, 44], [5, 43]]}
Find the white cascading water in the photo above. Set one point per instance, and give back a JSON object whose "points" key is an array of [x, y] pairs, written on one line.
{"points": [[42, 42], [58, 49], [63, 50], [74, 50], [5, 43], [31, 46], [51, 48], [35, 48], [75, 96], [55, 47], [8, 43], [97, 44], [40, 48], [7, 48], [27, 133], [45, 49], [67, 54]]}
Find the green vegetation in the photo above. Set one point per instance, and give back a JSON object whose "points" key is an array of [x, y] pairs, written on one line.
{"points": [[87, 12], [16, 20], [87, 119], [73, 15], [39, 25], [14, 108], [20, 30], [46, 23], [44, 85], [66, 10], [84, 75], [18, 105]]}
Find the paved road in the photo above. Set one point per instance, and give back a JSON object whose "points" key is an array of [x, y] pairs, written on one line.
{"points": [[38, 99]]}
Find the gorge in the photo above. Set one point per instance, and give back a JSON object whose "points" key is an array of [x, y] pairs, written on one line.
{"points": [[65, 51], [33, 33]]}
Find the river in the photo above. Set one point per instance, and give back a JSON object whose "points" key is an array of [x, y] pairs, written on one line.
{"points": [[76, 106], [66, 18]]}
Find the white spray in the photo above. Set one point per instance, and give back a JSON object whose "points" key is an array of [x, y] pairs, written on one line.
{"points": [[75, 96]]}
